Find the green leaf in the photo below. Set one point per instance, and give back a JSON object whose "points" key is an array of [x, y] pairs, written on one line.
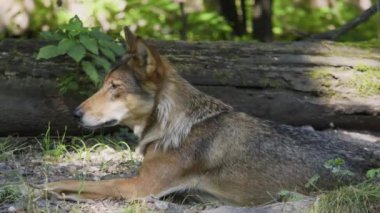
{"points": [[108, 53], [54, 36], [74, 24], [373, 173], [91, 72], [77, 52], [116, 48], [76, 21], [74, 27], [96, 33], [102, 62], [66, 44], [89, 43], [49, 51], [312, 181]]}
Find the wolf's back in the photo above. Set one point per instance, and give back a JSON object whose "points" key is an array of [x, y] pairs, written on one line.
{"points": [[261, 156]]}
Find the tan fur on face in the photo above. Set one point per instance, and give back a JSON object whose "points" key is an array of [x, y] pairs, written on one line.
{"points": [[116, 100]]}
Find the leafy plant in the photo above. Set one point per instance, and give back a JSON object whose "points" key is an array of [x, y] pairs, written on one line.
{"points": [[88, 47], [373, 174], [336, 166]]}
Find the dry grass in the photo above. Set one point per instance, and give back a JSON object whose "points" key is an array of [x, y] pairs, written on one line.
{"points": [[364, 197]]}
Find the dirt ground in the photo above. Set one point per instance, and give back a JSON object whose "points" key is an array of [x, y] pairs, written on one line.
{"points": [[26, 161]]}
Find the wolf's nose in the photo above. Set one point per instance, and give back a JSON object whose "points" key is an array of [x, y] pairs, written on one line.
{"points": [[78, 113]]}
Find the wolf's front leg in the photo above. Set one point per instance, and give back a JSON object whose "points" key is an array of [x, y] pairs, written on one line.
{"points": [[95, 190], [160, 174]]}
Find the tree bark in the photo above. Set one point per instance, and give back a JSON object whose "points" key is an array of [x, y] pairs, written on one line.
{"points": [[300, 83], [262, 20], [243, 20], [184, 28], [229, 11]]}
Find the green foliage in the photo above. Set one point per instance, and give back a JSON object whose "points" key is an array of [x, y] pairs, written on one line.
{"points": [[49, 51], [9, 146], [68, 83], [162, 18], [82, 44], [373, 174], [298, 19], [9, 193], [149, 18], [52, 147], [336, 166], [287, 196], [312, 182]]}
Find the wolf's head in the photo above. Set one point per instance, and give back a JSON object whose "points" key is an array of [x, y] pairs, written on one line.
{"points": [[129, 90], [146, 94]]}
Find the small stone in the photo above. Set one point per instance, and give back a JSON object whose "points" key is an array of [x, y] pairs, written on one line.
{"points": [[308, 127], [4, 167], [93, 169], [12, 209], [161, 205], [72, 170]]}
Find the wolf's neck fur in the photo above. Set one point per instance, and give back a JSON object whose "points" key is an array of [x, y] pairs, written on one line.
{"points": [[179, 107]]}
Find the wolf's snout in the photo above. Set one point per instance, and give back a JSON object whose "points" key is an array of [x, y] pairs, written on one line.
{"points": [[78, 113]]}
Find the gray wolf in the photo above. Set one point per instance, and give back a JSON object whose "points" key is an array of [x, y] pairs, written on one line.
{"points": [[191, 141]]}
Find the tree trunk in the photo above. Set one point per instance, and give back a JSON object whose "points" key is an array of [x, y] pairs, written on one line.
{"points": [[321, 84], [184, 27], [262, 20], [243, 19], [229, 11]]}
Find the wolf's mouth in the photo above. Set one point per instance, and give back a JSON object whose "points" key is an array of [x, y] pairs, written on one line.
{"points": [[109, 123]]}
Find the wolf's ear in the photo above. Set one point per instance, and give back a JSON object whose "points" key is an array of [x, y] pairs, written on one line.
{"points": [[144, 58], [130, 39]]}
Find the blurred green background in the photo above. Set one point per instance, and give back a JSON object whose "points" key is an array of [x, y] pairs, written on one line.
{"points": [[189, 19]]}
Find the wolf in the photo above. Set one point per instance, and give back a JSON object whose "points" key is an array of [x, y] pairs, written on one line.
{"points": [[194, 142]]}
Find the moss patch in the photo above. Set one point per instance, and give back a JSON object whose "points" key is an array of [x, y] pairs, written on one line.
{"points": [[370, 44], [324, 78], [223, 76], [319, 74], [367, 82], [272, 83], [364, 82]]}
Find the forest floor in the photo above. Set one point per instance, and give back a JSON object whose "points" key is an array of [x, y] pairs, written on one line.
{"points": [[26, 161]]}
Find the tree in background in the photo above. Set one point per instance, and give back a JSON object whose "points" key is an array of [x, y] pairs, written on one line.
{"points": [[262, 20], [153, 18], [229, 10]]}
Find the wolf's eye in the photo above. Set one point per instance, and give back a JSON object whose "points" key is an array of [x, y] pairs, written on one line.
{"points": [[113, 85]]}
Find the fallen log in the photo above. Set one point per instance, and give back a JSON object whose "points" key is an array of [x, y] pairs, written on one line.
{"points": [[322, 84]]}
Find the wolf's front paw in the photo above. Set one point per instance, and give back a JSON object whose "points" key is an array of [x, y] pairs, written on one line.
{"points": [[60, 191]]}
